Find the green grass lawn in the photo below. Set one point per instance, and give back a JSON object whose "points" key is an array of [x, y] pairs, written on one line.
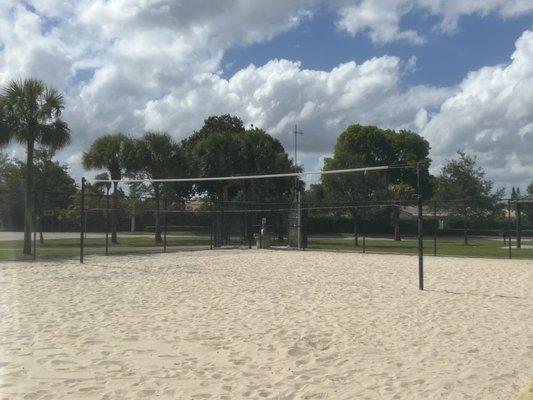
{"points": [[69, 248], [477, 247]]}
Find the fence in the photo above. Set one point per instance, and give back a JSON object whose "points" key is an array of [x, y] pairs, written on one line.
{"points": [[141, 224], [506, 231]]}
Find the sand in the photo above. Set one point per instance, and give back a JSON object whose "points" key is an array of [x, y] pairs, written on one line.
{"points": [[234, 324]]}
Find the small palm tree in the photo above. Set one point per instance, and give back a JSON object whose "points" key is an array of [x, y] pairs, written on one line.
{"points": [[109, 152], [157, 156], [400, 192], [30, 114]]}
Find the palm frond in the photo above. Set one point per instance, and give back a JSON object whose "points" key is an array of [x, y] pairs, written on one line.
{"points": [[55, 135], [30, 112], [107, 152]]}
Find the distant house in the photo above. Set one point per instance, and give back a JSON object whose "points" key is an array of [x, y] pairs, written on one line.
{"points": [[194, 205], [412, 211], [526, 201]]}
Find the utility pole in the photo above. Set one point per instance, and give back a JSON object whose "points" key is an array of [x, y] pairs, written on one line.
{"points": [[296, 133]]}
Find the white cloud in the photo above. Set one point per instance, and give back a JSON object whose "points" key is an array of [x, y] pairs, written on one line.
{"points": [[280, 93], [131, 64], [381, 19], [491, 116]]}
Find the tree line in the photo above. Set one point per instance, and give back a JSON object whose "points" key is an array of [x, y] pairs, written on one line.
{"points": [[31, 115]]}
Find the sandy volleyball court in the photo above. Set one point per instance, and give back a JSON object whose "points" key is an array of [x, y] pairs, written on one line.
{"points": [[265, 324]]}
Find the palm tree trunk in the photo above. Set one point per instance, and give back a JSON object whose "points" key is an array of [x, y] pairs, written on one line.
{"points": [[28, 200], [396, 216], [114, 214], [158, 238]]}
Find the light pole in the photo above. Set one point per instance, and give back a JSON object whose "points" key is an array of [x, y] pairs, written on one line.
{"points": [[296, 133]]}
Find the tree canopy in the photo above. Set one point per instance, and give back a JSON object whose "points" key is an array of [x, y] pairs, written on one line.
{"points": [[464, 181], [53, 185], [370, 146], [111, 152], [157, 156], [223, 147], [212, 125]]}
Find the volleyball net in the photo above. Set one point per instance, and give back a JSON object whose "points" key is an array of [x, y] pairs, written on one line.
{"points": [[250, 211]]}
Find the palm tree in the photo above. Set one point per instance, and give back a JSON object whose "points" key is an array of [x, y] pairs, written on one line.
{"points": [[30, 114], [109, 152], [157, 156]]}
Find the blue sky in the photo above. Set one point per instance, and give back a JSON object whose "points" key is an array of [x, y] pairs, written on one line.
{"points": [[444, 60]]}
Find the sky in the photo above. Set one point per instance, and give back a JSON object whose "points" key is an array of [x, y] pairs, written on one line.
{"points": [[458, 72]]}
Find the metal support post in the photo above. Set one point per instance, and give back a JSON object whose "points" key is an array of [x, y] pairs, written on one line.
{"points": [[518, 225], [509, 228], [420, 232], [165, 226], [34, 226], [107, 221], [436, 228], [82, 218], [299, 222]]}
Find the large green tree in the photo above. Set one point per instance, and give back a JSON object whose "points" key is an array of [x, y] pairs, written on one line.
{"points": [[53, 185], [218, 155], [463, 189], [224, 147], [370, 146], [263, 154], [212, 125], [157, 156], [11, 194], [30, 114], [112, 153]]}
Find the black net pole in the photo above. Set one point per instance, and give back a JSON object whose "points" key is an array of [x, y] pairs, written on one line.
{"points": [[465, 229], [420, 232], [82, 218], [364, 230], [509, 228], [364, 213], [436, 228], [165, 226], [211, 226], [518, 225], [107, 221], [34, 226], [249, 221], [299, 221]]}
